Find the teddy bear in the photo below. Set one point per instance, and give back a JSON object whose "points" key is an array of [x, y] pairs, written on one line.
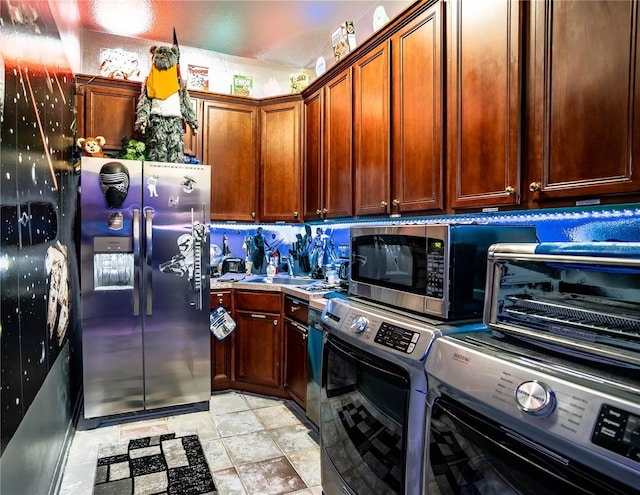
{"points": [[92, 146], [164, 107]]}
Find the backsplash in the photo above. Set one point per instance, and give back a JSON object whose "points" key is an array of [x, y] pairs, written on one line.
{"points": [[331, 239]]}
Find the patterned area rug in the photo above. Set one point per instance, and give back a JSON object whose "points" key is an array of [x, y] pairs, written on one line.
{"points": [[163, 464]]}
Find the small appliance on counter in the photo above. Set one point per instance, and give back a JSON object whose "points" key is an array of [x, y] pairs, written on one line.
{"points": [[233, 265], [432, 269]]}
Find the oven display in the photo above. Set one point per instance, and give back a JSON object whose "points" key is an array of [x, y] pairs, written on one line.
{"points": [[397, 338], [618, 431]]}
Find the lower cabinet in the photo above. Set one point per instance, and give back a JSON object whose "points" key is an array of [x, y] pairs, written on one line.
{"points": [[221, 350], [295, 349], [258, 346]]}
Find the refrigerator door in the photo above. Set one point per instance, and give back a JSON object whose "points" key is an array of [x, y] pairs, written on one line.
{"points": [[175, 284], [111, 319]]}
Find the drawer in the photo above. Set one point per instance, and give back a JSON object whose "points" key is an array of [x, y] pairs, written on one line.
{"points": [[296, 309], [220, 298], [269, 302]]}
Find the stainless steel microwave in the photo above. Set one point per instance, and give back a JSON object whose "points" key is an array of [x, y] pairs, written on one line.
{"points": [[433, 269]]}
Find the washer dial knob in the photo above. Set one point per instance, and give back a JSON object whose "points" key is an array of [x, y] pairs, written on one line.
{"points": [[359, 324], [535, 398]]}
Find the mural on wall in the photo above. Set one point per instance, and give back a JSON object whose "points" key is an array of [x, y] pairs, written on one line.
{"points": [[38, 266]]}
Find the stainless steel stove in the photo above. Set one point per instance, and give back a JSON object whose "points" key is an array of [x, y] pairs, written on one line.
{"points": [[549, 401], [373, 397]]}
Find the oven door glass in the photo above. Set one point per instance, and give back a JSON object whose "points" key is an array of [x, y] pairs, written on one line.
{"points": [[470, 454], [364, 407], [394, 261]]}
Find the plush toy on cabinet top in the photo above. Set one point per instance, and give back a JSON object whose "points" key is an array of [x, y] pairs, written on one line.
{"points": [[164, 106], [92, 146]]}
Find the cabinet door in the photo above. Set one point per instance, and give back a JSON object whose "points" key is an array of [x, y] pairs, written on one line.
{"points": [[483, 103], [280, 163], [109, 111], [417, 119], [221, 350], [229, 133], [586, 100], [371, 125], [338, 146], [192, 142], [313, 187], [258, 348], [295, 374]]}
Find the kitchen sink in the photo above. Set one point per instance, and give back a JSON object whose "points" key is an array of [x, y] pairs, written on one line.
{"points": [[280, 280]]}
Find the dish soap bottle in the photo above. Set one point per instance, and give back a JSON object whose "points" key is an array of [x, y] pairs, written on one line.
{"points": [[271, 271]]}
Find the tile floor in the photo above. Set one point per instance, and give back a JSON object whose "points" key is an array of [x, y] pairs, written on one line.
{"points": [[255, 445]]}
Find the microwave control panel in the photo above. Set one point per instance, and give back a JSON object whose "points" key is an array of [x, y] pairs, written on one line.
{"points": [[435, 267]]}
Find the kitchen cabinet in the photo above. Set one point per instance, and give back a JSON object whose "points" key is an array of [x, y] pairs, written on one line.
{"points": [[398, 121], [371, 129], [106, 107], [584, 102], [417, 126], [484, 67], [258, 342], [328, 149], [192, 141], [296, 315], [229, 137], [280, 162], [221, 350]]}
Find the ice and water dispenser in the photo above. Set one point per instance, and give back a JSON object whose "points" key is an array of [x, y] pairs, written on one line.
{"points": [[113, 259]]}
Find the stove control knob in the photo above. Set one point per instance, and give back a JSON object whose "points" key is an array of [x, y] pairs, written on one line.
{"points": [[359, 324], [535, 398]]}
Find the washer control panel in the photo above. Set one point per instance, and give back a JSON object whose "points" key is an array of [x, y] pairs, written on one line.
{"points": [[397, 337], [618, 431]]}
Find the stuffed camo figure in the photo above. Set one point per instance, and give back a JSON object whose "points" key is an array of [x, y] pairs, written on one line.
{"points": [[164, 106]]}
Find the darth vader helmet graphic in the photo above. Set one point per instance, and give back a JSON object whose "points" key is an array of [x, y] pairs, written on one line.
{"points": [[114, 182]]}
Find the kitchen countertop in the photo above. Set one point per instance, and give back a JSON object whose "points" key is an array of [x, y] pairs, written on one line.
{"points": [[315, 298]]}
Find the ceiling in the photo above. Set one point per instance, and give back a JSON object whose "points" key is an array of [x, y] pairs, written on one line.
{"points": [[290, 33]]}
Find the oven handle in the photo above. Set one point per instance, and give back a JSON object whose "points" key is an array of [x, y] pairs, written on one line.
{"points": [[360, 357]]}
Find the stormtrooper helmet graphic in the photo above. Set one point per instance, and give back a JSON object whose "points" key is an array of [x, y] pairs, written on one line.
{"points": [[114, 182]]}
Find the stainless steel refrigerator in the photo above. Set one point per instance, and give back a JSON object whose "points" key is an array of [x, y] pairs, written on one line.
{"points": [[145, 285]]}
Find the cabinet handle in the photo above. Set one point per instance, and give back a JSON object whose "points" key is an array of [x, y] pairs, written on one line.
{"points": [[220, 301], [294, 308], [534, 186], [383, 204], [396, 202], [295, 214], [275, 323], [324, 210], [510, 190], [253, 214], [258, 316]]}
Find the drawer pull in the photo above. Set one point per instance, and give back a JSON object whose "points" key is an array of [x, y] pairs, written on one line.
{"points": [[258, 316]]}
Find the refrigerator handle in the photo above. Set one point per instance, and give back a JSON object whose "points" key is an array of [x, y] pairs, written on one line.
{"points": [[148, 237], [136, 261]]}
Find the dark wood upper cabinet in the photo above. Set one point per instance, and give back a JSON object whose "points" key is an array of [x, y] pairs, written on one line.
{"points": [[328, 150], [371, 131], [229, 134], [107, 107], [280, 162], [417, 115], [313, 197], [484, 68], [584, 100], [398, 121], [192, 140]]}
